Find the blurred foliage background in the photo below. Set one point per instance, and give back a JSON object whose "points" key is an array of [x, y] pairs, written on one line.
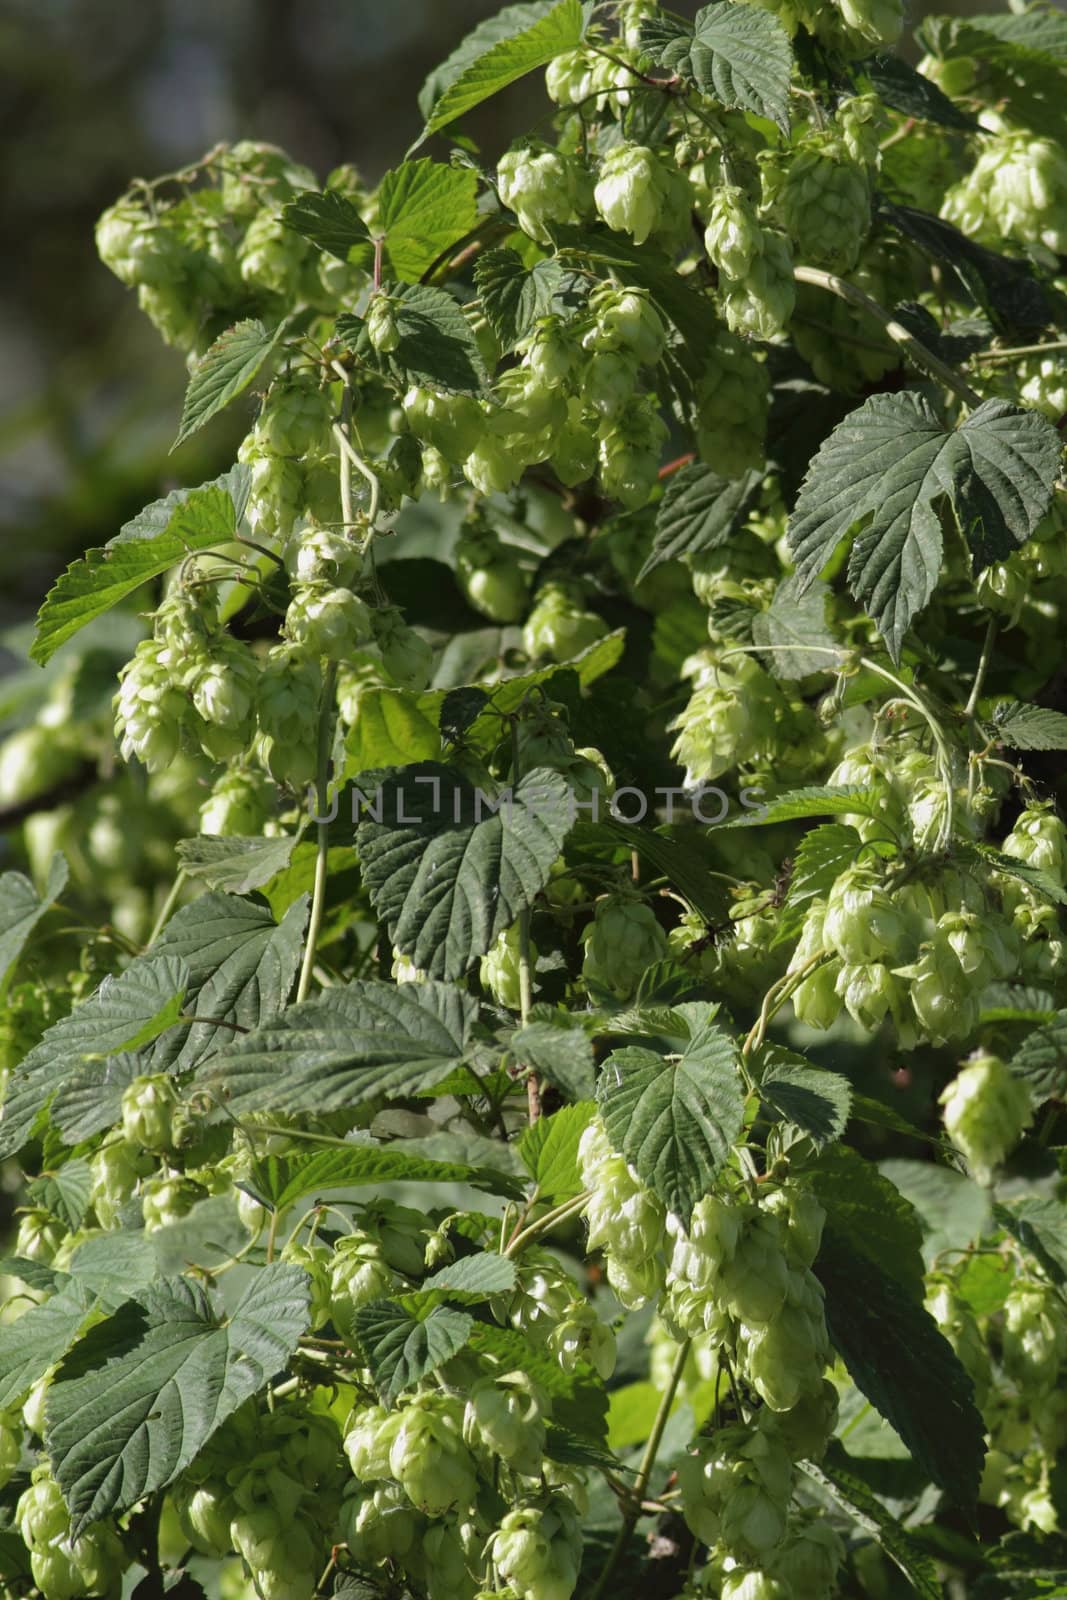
{"points": [[92, 94]]}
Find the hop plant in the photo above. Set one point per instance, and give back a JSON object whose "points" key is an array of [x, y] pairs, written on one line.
{"points": [[823, 200], [558, 627], [1017, 189], [149, 708], [287, 711], [543, 186], [732, 402], [537, 1550], [621, 941], [428, 1457]]}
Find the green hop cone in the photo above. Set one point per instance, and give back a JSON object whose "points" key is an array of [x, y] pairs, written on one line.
{"points": [[505, 1415], [761, 302], [368, 1439], [733, 237], [1040, 839], [537, 1550], [626, 319], [823, 201], [450, 423], [581, 1336], [240, 803], [986, 1110], [622, 941], [1033, 1339], [638, 194], [319, 555], [499, 969], [287, 713], [359, 1273], [39, 1235], [732, 404], [205, 1512], [327, 622], [224, 694], [148, 1106], [383, 331], [490, 576], [807, 1562], [166, 1200], [558, 627], [378, 1524], [429, 1458], [149, 708], [624, 1218], [861, 922], [1016, 190], [494, 465], [751, 1584], [958, 1324], [630, 450], [543, 186]]}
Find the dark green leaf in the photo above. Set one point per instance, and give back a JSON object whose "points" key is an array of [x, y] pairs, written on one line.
{"points": [[954, 1210], [225, 371], [329, 220], [559, 1049], [699, 511], [535, 37], [446, 874], [549, 1151], [423, 208], [112, 1266], [401, 1351], [394, 726], [140, 1395], [1004, 286], [124, 1013], [900, 87], [347, 1047], [233, 864], [241, 967], [284, 1180], [460, 709], [1041, 1060], [736, 55], [869, 1214], [1023, 727], [436, 343], [794, 632], [1039, 1223], [473, 1278], [881, 476], [1022, 871], [879, 1115], [867, 1512], [21, 909], [37, 1340], [513, 295], [157, 539], [90, 1098], [681, 862], [909, 1372], [675, 1121], [814, 1101], [514, 19]]}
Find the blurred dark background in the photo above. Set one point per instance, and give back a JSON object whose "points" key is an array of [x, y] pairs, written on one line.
{"points": [[94, 92]]}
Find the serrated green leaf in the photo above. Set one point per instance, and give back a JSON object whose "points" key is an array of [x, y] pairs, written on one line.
{"points": [[1023, 727], [140, 1395], [241, 967], [154, 541], [349, 1046], [506, 59], [448, 877], [513, 295], [391, 729], [549, 1151], [37, 1340], [880, 477], [879, 1115], [794, 633], [1022, 871], [899, 1359], [813, 802], [436, 343], [814, 1101], [21, 909], [224, 371], [675, 1121], [124, 1013], [1039, 1223], [34, 1274], [822, 855], [738, 56], [90, 1098], [900, 87], [400, 1350], [679, 859], [867, 1511], [699, 511], [233, 864], [476, 1277], [112, 1266], [285, 1179], [1041, 1060], [65, 1192], [514, 19], [329, 220], [869, 1214], [558, 1048], [423, 208]]}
